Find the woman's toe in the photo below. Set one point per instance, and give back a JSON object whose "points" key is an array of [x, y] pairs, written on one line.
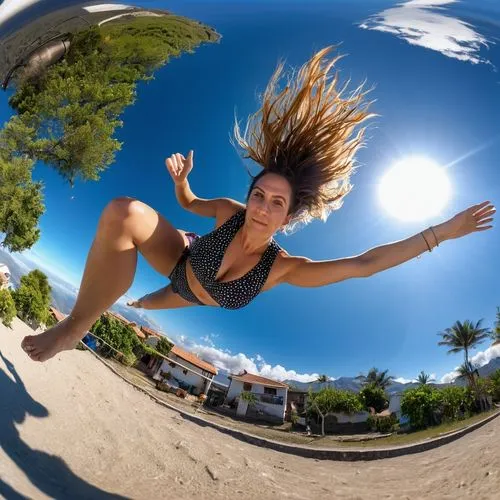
{"points": [[26, 342]]}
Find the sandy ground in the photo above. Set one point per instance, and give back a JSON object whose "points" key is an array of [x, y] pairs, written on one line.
{"points": [[70, 428]]}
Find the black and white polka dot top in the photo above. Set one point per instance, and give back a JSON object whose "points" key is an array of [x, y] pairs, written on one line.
{"points": [[206, 254]]}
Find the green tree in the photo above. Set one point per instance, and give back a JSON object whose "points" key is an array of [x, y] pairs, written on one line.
{"points": [[495, 379], [68, 114], [21, 201], [421, 405], [376, 378], [118, 338], [7, 308], [454, 401], [463, 337], [424, 378], [32, 298], [322, 379], [328, 401], [163, 346], [373, 397]]}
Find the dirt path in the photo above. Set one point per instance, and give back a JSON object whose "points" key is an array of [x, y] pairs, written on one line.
{"points": [[70, 428]]}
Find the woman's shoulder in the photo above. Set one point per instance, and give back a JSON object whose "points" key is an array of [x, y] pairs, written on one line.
{"points": [[227, 209], [282, 265]]}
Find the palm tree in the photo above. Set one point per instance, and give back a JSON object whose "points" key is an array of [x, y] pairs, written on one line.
{"points": [[471, 373], [423, 378], [468, 371], [463, 336], [323, 379], [495, 334], [376, 378]]}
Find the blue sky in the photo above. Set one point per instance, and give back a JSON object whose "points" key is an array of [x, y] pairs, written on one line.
{"points": [[435, 95]]}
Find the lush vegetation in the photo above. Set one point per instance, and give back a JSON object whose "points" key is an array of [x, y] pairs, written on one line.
{"points": [[67, 115], [328, 401], [32, 298], [121, 342], [8, 309]]}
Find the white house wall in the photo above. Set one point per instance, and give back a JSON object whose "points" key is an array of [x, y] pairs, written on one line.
{"points": [[196, 379], [236, 388]]}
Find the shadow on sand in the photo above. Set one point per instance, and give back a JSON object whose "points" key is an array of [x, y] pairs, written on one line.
{"points": [[48, 473]]}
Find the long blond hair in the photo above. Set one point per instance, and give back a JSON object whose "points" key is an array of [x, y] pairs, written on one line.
{"points": [[306, 133]]}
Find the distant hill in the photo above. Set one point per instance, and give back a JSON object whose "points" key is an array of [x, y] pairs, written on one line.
{"points": [[354, 385], [63, 293], [64, 296]]}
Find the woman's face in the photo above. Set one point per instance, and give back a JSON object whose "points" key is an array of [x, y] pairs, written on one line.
{"points": [[268, 204]]}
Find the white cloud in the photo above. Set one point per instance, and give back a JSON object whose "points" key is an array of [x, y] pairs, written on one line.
{"points": [[402, 380], [425, 23], [10, 8], [106, 7], [208, 340], [484, 357], [480, 359], [235, 363]]}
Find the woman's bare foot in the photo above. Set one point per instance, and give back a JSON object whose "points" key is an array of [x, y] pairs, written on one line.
{"points": [[62, 337]]}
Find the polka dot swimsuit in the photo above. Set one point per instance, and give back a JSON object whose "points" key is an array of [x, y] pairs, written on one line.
{"points": [[205, 255]]}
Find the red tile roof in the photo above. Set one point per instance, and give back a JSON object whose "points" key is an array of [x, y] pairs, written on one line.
{"points": [[119, 317], [151, 333], [193, 359], [57, 314], [137, 331], [256, 379]]}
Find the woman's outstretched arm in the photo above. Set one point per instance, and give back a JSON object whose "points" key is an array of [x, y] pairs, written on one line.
{"points": [[179, 168], [307, 273]]}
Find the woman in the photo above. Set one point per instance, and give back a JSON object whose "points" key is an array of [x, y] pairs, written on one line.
{"points": [[304, 138]]}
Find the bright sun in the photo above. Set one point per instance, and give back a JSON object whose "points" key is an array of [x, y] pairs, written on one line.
{"points": [[414, 189]]}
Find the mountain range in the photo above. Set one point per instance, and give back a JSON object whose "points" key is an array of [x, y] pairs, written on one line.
{"points": [[64, 297]]}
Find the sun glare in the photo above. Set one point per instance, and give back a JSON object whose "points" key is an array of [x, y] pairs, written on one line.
{"points": [[414, 189]]}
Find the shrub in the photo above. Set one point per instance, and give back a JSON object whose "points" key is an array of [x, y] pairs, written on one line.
{"points": [[8, 309], [383, 424], [456, 402], [375, 397], [119, 336], [32, 298], [422, 406], [250, 398], [330, 400], [495, 380]]}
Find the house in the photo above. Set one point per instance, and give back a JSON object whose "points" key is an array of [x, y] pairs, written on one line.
{"points": [[297, 401], [56, 314], [149, 332], [5, 277], [138, 331], [186, 371], [271, 396]]}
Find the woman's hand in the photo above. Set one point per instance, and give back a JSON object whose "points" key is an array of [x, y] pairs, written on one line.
{"points": [[179, 167], [469, 221]]}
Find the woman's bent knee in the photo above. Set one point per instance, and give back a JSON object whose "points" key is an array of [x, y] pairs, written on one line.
{"points": [[121, 208]]}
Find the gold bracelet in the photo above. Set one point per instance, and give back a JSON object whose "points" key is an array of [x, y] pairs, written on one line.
{"points": [[435, 237]]}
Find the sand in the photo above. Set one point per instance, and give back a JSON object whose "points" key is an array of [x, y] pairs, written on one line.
{"points": [[70, 428]]}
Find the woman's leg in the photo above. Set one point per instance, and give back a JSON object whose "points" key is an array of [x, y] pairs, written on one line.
{"points": [[164, 298], [125, 226]]}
